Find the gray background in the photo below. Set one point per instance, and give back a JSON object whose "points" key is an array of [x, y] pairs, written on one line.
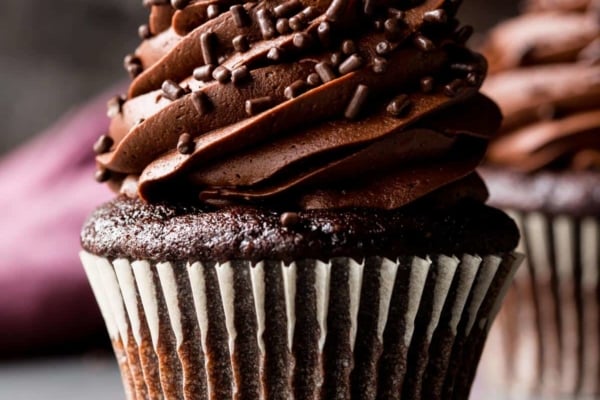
{"points": [[55, 54]]}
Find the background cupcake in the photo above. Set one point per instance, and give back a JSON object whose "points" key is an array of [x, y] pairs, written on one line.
{"points": [[544, 169], [299, 214]]}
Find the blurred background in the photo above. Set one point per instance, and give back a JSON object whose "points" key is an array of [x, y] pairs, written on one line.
{"points": [[54, 57]]}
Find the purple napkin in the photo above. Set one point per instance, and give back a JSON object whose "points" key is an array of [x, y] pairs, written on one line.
{"points": [[47, 189]]}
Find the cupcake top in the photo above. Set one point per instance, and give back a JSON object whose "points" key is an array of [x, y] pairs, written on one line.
{"points": [[314, 104], [546, 79]]}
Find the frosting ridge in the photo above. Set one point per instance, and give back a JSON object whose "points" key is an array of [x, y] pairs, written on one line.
{"points": [[546, 79], [318, 102]]}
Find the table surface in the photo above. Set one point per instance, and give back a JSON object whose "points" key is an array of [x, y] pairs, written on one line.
{"points": [[88, 377]]}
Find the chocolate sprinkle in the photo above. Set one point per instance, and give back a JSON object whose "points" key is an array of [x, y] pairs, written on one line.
{"points": [[336, 10], [103, 144], [172, 90], [201, 103], [240, 74], [348, 47], [473, 79], [289, 219], [102, 175], [288, 8], [453, 88], [240, 16], [358, 100], [302, 40], [325, 72], [212, 11], [399, 106], [464, 67], [324, 33], [204, 73], [179, 4], [392, 28], [206, 43], [134, 70], [185, 144], [313, 79], [427, 84], [283, 26], [144, 32], [131, 59], [294, 90], [221, 74], [380, 65], [266, 24], [395, 13], [274, 54], [115, 106], [310, 13], [463, 34], [240, 43], [297, 23], [435, 17], [423, 43], [351, 64], [383, 48], [258, 105], [336, 59]]}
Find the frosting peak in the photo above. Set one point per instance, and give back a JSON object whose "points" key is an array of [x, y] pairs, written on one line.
{"points": [[324, 103], [546, 79]]}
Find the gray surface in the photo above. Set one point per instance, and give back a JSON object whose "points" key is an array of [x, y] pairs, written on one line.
{"points": [[61, 379], [97, 378], [55, 54]]}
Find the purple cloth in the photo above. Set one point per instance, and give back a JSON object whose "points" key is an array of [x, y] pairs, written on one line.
{"points": [[46, 191]]}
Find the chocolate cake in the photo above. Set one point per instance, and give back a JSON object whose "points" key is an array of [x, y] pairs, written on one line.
{"points": [[297, 212]]}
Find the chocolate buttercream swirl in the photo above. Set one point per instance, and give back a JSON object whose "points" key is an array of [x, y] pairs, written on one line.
{"points": [[326, 104], [546, 80]]}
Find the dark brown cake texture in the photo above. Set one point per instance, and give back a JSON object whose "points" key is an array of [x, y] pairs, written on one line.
{"points": [[130, 228], [299, 214]]}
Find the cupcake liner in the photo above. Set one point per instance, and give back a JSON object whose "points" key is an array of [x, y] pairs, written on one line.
{"points": [[411, 328], [547, 339]]}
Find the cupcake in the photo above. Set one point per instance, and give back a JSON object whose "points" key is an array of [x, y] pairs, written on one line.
{"points": [[544, 169], [298, 213]]}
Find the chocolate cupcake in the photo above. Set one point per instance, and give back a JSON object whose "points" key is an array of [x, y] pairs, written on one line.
{"points": [[298, 213], [544, 169]]}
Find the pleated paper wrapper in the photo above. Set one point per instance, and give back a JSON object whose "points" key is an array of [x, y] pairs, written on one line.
{"points": [[411, 328], [546, 341]]}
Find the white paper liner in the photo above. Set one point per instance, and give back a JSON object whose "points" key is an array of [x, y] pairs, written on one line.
{"points": [[307, 330], [547, 338]]}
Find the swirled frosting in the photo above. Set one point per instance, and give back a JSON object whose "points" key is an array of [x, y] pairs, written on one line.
{"points": [[546, 80], [325, 104]]}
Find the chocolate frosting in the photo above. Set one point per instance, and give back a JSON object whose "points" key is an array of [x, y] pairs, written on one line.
{"points": [[546, 80], [323, 104]]}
